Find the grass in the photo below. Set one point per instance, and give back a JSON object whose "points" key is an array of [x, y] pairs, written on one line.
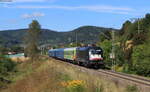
{"points": [[73, 86], [54, 76], [34, 77], [92, 82], [132, 88]]}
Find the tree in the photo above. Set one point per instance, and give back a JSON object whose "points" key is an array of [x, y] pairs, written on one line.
{"points": [[119, 55], [106, 45], [74, 45], [105, 35], [125, 27], [141, 58], [31, 40], [3, 50], [16, 48], [147, 20]]}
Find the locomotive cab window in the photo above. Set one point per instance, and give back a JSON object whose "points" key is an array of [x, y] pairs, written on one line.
{"points": [[95, 54], [95, 51]]}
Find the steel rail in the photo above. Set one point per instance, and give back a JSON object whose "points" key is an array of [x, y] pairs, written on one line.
{"points": [[127, 77]]}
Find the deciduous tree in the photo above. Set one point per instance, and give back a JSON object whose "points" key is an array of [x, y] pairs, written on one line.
{"points": [[32, 39]]}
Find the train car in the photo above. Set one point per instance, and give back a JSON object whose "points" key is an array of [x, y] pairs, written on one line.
{"points": [[70, 54], [56, 53], [59, 53], [51, 53], [90, 56]]}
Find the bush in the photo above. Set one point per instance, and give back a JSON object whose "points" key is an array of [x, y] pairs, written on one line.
{"points": [[6, 65], [106, 45], [140, 58], [132, 89]]}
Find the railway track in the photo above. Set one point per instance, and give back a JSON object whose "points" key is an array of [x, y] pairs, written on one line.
{"points": [[135, 79]]}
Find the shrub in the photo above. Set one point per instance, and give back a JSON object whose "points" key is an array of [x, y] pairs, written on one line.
{"points": [[132, 88], [140, 58], [6, 65]]}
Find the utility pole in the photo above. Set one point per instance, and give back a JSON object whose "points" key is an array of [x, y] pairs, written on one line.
{"points": [[138, 25], [76, 39], [113, 50], [138, 20], [112, 54]]}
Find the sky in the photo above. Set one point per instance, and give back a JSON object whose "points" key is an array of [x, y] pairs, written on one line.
{"points": [[66, 15]]}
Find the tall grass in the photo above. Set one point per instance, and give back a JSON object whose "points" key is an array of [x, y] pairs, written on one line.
{"points": [[132, 88], [48, 75], [93, 82]]}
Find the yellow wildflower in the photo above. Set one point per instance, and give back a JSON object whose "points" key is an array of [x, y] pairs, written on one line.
{"points": [[72, 83]]}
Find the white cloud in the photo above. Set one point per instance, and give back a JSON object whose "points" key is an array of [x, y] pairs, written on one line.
{"points": [[33, 15], [29, 0], [95, 8], [106, 9]]}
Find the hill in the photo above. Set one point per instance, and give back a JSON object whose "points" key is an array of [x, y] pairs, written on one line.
{"points": [[84, 34]]}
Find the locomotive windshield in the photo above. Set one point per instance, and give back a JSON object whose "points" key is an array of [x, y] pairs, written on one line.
{"points": [[95, 54], [95, 51]]}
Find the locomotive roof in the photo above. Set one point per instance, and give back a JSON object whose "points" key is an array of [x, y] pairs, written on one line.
{"points": [[56, 49], [70, 48], [81, 48], [88, 47]]}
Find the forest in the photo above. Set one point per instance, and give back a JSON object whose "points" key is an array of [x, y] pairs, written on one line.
{"points": [[131, 47]]}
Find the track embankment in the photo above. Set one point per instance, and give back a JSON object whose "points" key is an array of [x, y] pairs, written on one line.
{"points": [[120, 79]]}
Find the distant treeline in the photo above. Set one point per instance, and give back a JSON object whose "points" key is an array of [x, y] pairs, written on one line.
{"points": [[84, 34]]}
